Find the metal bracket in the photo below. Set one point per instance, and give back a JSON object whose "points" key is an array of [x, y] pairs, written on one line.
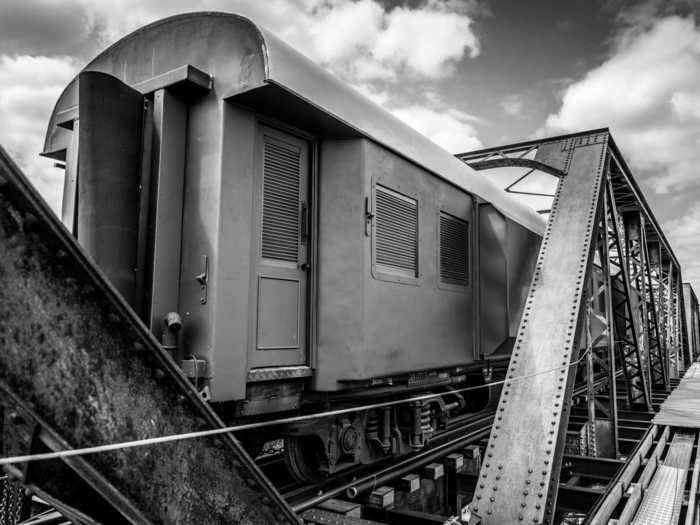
{"points": [[368, 217], [202, 279]]}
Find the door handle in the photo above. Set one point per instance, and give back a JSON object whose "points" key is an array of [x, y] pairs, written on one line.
{"points": [[304, 219]]}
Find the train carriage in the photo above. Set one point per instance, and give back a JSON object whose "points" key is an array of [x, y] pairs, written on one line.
{"points": [[291, 242]]}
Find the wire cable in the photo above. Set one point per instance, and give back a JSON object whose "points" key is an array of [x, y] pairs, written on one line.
{"points": [[250, 426]]}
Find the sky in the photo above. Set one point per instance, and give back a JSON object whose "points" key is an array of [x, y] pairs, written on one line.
{"points": [[466, 73]]}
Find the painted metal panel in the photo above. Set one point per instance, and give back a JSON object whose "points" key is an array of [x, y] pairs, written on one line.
{"points": [[522, 248], [408, 322], [401, 326], [282, 226], [109, 160], [279, 307], [69, 203], [201, 253], [169, 147], [493, 284]]}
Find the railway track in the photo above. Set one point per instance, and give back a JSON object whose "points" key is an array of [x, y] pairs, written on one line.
{"points": [[357, 482]]}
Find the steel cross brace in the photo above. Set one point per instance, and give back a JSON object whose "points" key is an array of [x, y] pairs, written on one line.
{"points": [[627, 329], [659, 377], [634, 226]]}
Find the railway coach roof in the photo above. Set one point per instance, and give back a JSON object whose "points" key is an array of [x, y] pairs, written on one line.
{"points": [[250, 64]]}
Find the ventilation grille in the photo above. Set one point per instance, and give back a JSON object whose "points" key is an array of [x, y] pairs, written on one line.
{"points": [[396, 236], [454, 236], [280, 218]]}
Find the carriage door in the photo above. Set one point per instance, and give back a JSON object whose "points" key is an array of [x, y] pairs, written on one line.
{"points": [[282, 266]]}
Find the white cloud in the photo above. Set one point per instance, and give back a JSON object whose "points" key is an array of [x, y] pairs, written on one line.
{"points": [[426, 42], [450, 129], [513, 105], [355, 38], [682, 234], [30, 87], [366, 44], [648, 92]]}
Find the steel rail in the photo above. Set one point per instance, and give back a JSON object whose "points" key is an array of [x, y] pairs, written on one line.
{"points": [[397, 470]]}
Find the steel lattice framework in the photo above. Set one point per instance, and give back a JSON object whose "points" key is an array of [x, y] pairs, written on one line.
{"points": [[604, 305]]}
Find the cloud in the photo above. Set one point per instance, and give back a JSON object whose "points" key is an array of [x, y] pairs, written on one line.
{"points": [[449, 128], [358, 39], [648, 93], [513, 105], [429, 115], [426, 42], [30, 87], [682, 234], [45, 27], [377, 48]]}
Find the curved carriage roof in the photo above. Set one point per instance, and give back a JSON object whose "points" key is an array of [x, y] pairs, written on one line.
{"points": [[243, 57]]}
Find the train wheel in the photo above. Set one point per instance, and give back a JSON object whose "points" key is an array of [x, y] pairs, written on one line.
{"points": [[304, 458]]}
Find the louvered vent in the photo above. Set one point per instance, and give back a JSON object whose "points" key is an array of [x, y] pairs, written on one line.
{"points": [[396, 235], [454, 237], [280, 218]]}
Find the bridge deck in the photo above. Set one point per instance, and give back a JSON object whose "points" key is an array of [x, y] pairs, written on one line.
{"points": [[682, 407], [663, 499]]}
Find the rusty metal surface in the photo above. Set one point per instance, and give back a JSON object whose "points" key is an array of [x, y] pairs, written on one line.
{"points": [[518, 481], [88, 372]]}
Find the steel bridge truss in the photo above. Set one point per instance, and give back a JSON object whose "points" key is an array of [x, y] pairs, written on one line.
{"points": [[603, 312]]}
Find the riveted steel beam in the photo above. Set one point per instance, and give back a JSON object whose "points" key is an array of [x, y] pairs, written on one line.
{"points": [[533, 412]]}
